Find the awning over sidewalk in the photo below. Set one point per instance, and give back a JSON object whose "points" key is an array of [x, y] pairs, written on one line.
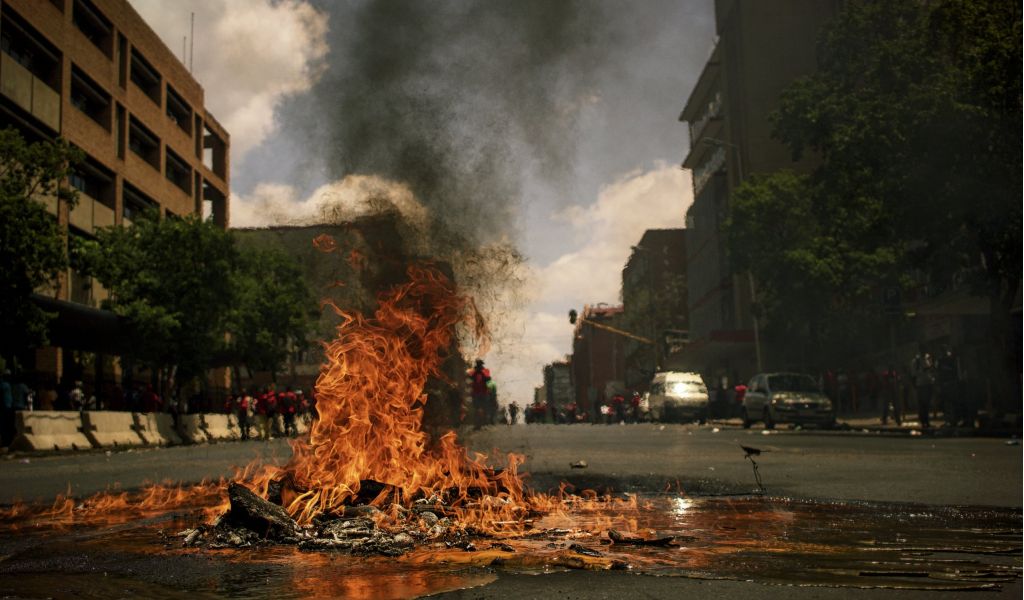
{"points": [[80, 327]]}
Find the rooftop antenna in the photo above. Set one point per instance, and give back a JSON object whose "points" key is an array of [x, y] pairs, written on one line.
{"points": [[192, 41]]}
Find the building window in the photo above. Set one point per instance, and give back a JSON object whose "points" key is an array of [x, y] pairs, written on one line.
{"points": [[178, 172], [29, 49], [143, 143], [135, 204], [88, 97], [93, 181], [145, 76], [215, 153], [179, 111], [93, 25]]}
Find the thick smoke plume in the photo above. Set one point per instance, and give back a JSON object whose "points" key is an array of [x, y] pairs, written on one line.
{"points": [[459, 101]]}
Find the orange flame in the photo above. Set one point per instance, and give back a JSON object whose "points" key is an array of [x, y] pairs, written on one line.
{"points": [[370, 403]]}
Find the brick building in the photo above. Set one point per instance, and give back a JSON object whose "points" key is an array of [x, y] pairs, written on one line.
{"points": [[94, 73], [598, 357]]}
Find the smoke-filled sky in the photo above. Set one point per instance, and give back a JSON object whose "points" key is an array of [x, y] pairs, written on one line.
{"points": [[549, 125]]}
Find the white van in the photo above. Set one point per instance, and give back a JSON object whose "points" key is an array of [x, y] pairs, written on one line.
{"points": [[677, 396]]}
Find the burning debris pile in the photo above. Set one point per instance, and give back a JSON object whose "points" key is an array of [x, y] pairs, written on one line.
{"points": [[369, 479]]}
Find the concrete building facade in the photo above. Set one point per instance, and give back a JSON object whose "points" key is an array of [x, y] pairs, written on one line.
{"points": [[762, 47], [94, 73], [654, 298]]}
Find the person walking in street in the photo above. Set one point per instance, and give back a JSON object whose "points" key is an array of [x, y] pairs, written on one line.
{"points": [[922, 368], [243, 401], [513, 413]]}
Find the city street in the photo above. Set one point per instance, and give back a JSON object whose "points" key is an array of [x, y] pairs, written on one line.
{"points": [[822, 467]]}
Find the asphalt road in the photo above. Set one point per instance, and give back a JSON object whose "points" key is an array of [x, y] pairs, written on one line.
{"points": [[701, 460]]}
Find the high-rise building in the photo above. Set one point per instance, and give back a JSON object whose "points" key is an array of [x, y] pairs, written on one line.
{"points": [[95, 74], [762, 47]]}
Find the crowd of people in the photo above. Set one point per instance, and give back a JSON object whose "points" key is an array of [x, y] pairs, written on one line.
{"points": [[272, 413]]}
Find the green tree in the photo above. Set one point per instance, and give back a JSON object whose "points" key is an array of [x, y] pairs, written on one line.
{"points": [[273, 312], [914, 117], [32, 245], [172, 279]]}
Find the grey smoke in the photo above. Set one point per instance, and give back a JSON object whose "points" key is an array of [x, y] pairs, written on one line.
{"points": [[460, 100]]}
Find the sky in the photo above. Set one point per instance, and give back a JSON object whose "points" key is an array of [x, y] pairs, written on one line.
{"points": [[549, 126]]}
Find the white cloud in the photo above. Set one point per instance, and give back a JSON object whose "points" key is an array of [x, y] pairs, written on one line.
{"points": [[248, 56], [343, 200], [592, 273]]}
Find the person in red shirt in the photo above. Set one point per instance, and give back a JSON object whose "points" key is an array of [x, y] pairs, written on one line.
{"points": [[288, 405], [634, 404], [478, 377], [619, 407]]}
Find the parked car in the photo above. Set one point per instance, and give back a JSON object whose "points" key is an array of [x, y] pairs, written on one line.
{"points": [[677, 396], [786, 398]]}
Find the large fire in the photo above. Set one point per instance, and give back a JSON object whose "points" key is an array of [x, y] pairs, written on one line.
{"points": [[370, 400]]}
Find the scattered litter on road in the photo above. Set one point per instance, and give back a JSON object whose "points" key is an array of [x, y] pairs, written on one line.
{"points": [[661, 428], [715, 430], [915, 432], [1008, 443], [580, 464], [24, 461]]}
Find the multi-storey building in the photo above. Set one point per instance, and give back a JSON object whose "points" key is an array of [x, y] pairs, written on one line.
{"points": [[598, 357], [762, 46], [94, 73], [654, 296]]}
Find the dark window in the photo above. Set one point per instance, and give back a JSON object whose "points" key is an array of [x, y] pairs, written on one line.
{"points": [[135, 204], [122, 61], [145, 76], [178, 172], [142, 142], [121, 131], [179, 111], [88, 97], [94, 181], [93, 25], [30, 49]]}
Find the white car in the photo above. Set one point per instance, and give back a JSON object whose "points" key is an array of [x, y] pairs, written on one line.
{"points": [[677, 396], [786, 398]]}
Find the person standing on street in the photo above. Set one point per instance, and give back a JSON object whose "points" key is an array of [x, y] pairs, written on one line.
{"points": [[922, 368], [479, 394], [513, 413]]}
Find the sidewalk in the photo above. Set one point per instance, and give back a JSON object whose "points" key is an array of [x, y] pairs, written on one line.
{"points": [[871, 424]]}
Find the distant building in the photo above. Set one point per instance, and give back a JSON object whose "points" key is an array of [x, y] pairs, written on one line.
{"points": [[654, 298], [598, 357], [558, 391], [762, 47], [94, 73]]}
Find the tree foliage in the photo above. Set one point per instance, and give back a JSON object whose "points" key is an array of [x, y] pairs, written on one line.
{"points": [[273, 311], [913, 118], [32, 246], [171, 278]]}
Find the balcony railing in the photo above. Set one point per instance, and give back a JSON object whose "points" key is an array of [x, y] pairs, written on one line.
{"points": [[29, 92]]}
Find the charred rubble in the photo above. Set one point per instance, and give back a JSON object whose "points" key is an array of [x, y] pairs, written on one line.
{"points": [[253, 520]]}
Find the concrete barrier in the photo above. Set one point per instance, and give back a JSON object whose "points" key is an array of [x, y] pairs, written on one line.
{"points": [[221, 427], [190, 428], [156, 429], [106, 429], [49, 430]]}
